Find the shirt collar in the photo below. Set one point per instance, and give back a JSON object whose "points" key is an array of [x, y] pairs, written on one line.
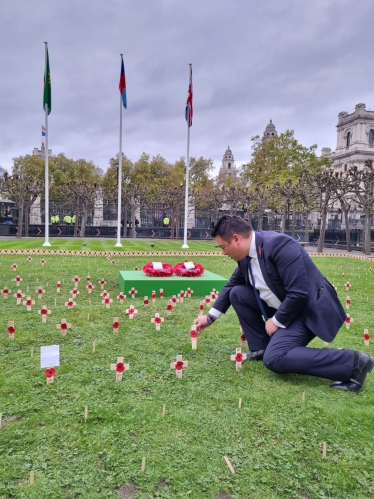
{"points": [[252, 249]]}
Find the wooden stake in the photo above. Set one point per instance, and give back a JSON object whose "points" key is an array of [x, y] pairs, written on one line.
{"points": [[32, 478], [32, 352], [88, 316], [229, 465], [1, 417], [303, 397], [85, 413], [324, 449], [163, 410], [143, 465], [94, 346], [240, 403]]}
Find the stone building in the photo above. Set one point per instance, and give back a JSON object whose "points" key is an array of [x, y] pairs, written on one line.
{"points": [[227, 169], [270, 132]]}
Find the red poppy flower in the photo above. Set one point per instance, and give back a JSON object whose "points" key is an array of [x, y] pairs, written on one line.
{"points": [[29, 259], [89, 286], [11, 330], [193, 334], [213, 296], [28, 303], [14, 266], [153, 296], [42, 262], [70, 304], [5, 291], [40, 291], [102, 281], [18, 279], [146, 302], [174, 300], [348, 320], [107, 301], [113, 261], [239, 357], [179, 365], [136, 268], [366, 336], [201, 307], [19, 295], [88, 279], [242, 337], [121, 296], [115, 325], [50, 372], [169, 307], [76, 279], [157, 320], [63, 326], [74, 292], [58, 285], [105, 294], [120, 367], [44, 311], [348, 302], [132, 291], [343, 275]]}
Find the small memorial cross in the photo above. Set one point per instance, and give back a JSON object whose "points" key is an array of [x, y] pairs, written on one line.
{"points": [[14, 266], [102, 283], [174, 300], [243, 340], [74, 292], [189, 292], [161, 293], [28, 303], [133, 292], [11, 330], [76, 281], [146, 301], [169, 308], [115, 325], [193, 334], [366, 337], [107, 301], [131, 312], [17, 280], [40, 291], [121, 297], [157, 321], [347, 285], [348, 321], [181, 296], [153, 296], [6, 292], [238, 357], [347, 302], [63, 326], [208, 301], [70, 303], [178, 365], [50, 374], [19, 295], [120, 367], [58, 287], [44, 312], [201, 308], [90, 287]]}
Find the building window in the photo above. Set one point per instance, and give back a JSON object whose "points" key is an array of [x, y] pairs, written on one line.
{"points": [[229, 165], [345, 168], [371, 137], [348, 139]]}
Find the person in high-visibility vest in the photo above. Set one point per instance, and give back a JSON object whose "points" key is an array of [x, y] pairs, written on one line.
{"points": [[67, 219], [73, 219], [166, 221], [57, 219]]}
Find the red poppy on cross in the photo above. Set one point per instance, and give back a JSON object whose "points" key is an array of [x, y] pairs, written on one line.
{"points": [[131, 312], [29, 302], [90, 287], [178, 365], [194, 335], [348, 321], [11, 330], [44, 312], [347, 302], [121, 297], [70, 304], [132, 292], [119, 367], [238, 357], [153, 296], [189, 292], [115, 325], [107, 301], [146, 301], [161, 293], [58, 287], [50, 374], [6, 292], [102, 283], [157, 321], [63, 326], [366, 337], [174, 300], [19, 295], [17, 280], [40, 291]]}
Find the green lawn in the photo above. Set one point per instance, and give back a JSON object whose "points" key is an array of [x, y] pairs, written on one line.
{"points": [[274, 441]]}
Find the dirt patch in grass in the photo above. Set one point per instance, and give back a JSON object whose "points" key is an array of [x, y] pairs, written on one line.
{"points": [[222, 495], [125, 491], [161, 485], [6, 421]]}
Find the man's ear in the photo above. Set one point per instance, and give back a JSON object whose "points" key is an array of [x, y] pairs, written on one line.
{"points": [[236, 238]]}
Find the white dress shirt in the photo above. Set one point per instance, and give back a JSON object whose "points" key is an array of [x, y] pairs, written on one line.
{"points": [[265, 292]]}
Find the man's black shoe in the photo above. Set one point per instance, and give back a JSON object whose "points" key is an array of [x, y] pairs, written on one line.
{"points": [[255, 355], [363, 363]]}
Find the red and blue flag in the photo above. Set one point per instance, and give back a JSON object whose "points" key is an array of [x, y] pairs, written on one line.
{"points": [[43, 131], [122, 85], [189, 108]]}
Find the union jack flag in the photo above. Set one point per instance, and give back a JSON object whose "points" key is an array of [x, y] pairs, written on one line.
{"points": [[189, 108], [43, 131]]}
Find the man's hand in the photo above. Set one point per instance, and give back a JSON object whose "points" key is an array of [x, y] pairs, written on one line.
{"points": [[201, 323], [270, 327]]}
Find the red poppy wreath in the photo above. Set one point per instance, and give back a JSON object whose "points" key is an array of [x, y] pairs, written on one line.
{"points": [[150, 270], [183, 269]]}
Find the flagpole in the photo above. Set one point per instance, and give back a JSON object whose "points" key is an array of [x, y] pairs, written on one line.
{"points": [[185, 245], [46, 196], [119, 178]]}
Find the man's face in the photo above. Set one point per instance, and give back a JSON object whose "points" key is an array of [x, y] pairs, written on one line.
{"points": [[236, 249]]}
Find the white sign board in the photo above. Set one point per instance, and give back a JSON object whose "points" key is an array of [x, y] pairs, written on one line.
{"points": [[50, 356]]}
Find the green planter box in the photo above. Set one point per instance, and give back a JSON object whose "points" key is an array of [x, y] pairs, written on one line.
{"points": [[144, 284]]}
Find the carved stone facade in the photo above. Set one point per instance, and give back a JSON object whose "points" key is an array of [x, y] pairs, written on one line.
{"points": [[227, 169]]}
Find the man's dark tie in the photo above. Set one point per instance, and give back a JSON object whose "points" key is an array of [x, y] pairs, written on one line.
{"points": [[257, 294]]}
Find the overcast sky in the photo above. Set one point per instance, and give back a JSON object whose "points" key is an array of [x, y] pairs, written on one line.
{"points": [[296, 62]]}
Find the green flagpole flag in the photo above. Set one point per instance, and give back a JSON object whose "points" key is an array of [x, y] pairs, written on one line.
{"points": [[47, 96]]}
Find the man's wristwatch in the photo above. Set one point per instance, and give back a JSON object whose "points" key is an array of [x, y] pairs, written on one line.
{"points": [[210, 319]]}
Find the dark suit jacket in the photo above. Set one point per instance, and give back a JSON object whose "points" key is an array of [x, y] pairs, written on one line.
{"points": [[291, 275]]}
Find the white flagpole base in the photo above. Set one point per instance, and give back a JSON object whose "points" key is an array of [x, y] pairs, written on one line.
{"points": [[46, 244], [118, 245], [185, 246]]}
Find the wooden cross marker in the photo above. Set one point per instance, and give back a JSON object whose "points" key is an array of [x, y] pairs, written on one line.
{"points": [[40, 292], [347, 285], [120, 367], [133, 292], [238, 357], [29, 302], [76, 281], [348, 321], [347, 302], [42, 262], [6, 292], [90, 287], [88, 279], [178, 365], [63, 326], [58, 287], [193, 334], [102, 283], [50, 375], [146, 301], [18, 280], [107, 301], [243, 340], [169, 308], [174, 300], [157, 321], [181, 296], [44, 312], [224, 262], [19, 295], [131, 312], [14, 266], [208, 301], [70, 303], [201, 308], [366, 337], [74, 292], [213, 296], [104, 294], [189, 292], [161, 293], [324, 450], [115, 325], [121, 297], [11, 330], [153, 296], [303, 397], [32, 478]]}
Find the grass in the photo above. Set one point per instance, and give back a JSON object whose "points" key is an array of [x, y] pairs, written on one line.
{"points": [[274, 441]]}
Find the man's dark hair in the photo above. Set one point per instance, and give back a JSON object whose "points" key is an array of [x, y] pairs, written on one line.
{"points": [[228, 225]]}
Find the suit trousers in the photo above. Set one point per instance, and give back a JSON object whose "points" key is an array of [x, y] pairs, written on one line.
{"points": [[286, 351]]}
